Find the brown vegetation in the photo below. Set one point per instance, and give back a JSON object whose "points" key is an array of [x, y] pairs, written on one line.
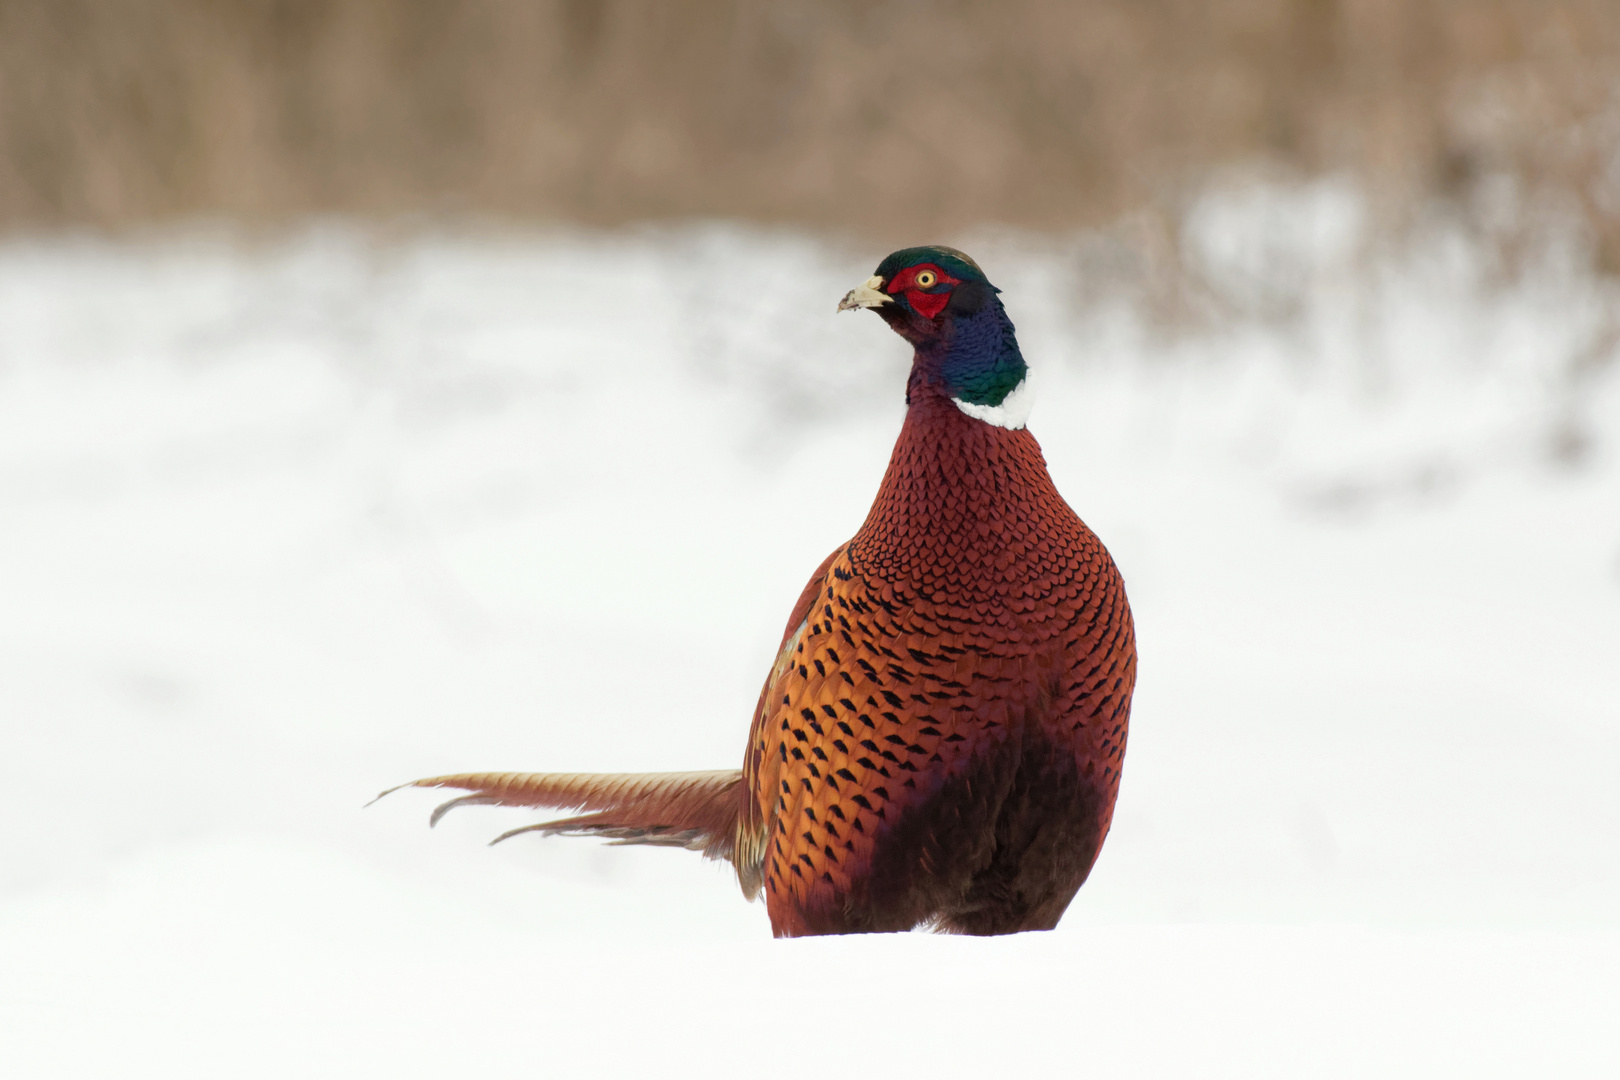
{"points": [[902, 117]]}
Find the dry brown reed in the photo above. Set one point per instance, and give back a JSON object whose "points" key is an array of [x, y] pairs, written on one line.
{"points": [[899, 118]]}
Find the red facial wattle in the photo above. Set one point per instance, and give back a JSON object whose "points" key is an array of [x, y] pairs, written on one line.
{"points": [[927, 303]]}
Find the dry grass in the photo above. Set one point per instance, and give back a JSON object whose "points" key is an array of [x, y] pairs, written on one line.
{"points": [[896, 117]]}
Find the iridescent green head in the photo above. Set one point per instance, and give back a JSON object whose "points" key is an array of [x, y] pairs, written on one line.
{"points": [[939, 299]]}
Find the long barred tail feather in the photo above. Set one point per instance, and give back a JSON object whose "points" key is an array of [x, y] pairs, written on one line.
{"points": [[698, 811]]}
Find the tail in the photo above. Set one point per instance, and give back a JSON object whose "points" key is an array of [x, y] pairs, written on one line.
{"points": [[699, 811]]}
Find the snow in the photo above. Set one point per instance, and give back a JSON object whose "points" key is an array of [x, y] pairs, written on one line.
{"points": [[291, 519]]}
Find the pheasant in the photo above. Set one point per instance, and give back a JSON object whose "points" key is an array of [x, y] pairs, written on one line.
{"points": [[939, 740]]}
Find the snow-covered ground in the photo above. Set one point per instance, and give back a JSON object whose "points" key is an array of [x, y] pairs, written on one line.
{"points": [[286, 521]]}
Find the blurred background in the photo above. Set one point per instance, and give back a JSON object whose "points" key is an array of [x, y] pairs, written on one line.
{"points": [[390, 389], [893, 118]]}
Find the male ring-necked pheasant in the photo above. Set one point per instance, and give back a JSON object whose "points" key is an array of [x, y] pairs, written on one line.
{"points": [[939, 741]]}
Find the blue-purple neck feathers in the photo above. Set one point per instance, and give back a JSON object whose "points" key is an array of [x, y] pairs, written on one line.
{"points": [[976, 360]]}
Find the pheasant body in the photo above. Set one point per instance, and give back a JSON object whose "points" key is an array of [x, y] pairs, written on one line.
{"points": [[939, 742], [943, 744]]}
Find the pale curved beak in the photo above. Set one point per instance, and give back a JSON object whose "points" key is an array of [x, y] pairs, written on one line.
{"points": [[868, 293]]}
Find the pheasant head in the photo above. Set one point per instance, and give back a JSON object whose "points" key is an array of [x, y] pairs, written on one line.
{"points": [[965, 348]]}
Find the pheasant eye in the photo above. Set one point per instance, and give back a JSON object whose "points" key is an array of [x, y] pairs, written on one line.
{"points": [[926, 279]]}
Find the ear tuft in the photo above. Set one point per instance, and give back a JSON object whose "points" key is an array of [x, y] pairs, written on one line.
{"points": [[969, 297]]}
